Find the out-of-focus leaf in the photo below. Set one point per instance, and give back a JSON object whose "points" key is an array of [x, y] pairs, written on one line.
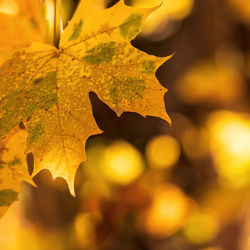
{"points": [[21, 23], [208, 82], [241, 9], [168, 10]]}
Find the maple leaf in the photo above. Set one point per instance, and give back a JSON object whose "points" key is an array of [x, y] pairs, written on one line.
{"points": [[22, 27], [13, 168], [48, 88]]}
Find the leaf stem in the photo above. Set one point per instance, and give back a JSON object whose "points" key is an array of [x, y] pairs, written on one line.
{"points": [[57, 22]]}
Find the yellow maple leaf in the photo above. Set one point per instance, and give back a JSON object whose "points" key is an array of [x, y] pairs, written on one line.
{"points": [[48, 88], [13, 168]]}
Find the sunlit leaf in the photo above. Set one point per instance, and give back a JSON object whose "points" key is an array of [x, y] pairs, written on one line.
{"points": [[48, 88], [13, 168]]}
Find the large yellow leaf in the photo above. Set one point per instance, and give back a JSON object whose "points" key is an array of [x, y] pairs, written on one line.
{"points": [[13, 168], [48, 88]]}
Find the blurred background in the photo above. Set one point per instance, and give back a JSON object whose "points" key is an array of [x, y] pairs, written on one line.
{"points": [[148, 185]]}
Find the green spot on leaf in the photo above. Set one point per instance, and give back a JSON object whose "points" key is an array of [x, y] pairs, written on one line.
{"points": [[34, 133], [76, 31], [129, 89], [41, 96], [15, 161], [148, 67], [7, 197], [10, 107], [1, 167], [131, 27], [102, 53]]}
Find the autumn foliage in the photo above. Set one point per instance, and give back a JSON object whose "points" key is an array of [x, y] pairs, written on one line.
{"points": [[89, 158]]}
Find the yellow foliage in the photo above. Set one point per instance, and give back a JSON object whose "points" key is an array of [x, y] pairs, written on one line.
{"points": [[13, 168], [52, 85], [9, 7], [20, 234], [21, 23], [168, 10]]}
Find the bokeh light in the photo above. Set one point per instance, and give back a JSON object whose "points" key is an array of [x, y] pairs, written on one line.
{"points": [[95, 183], [168, 212], [195, 142], [201, 228], [211, 83], [122, 163], [163, 152], [230, 145], [224, 202], [85, 224]]}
